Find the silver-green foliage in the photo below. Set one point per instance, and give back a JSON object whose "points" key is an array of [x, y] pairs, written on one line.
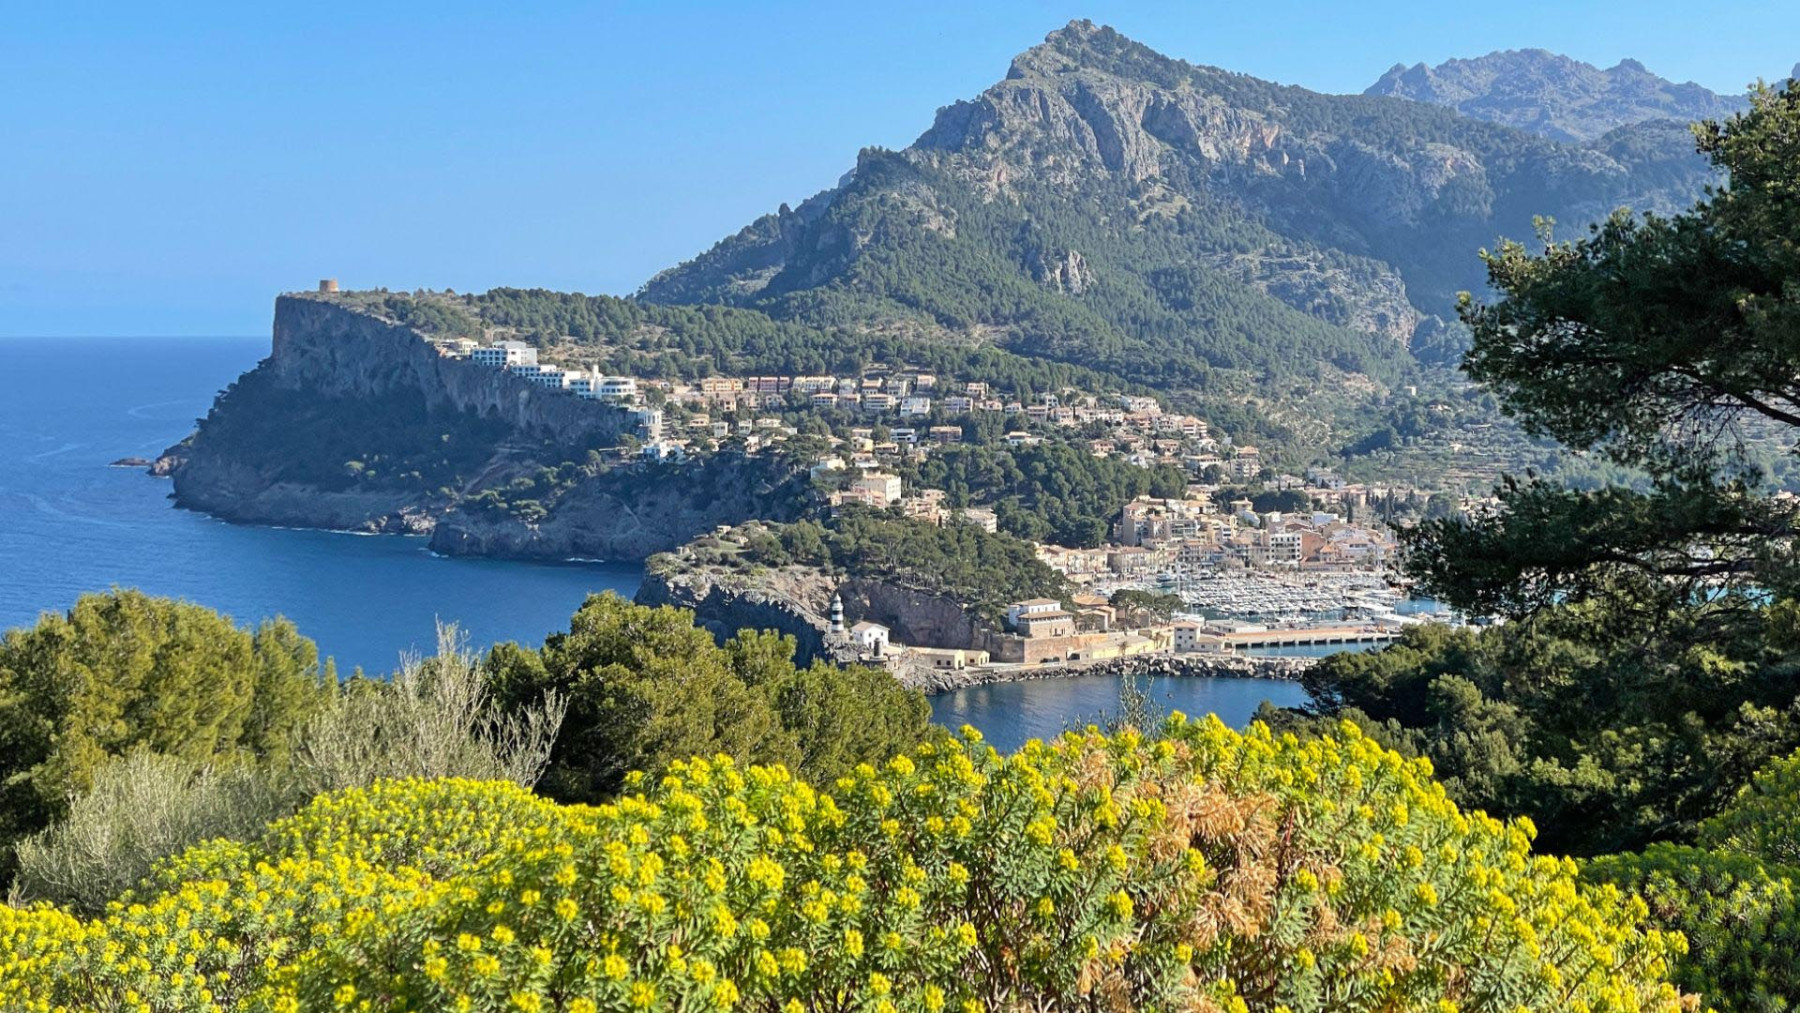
{"points": [[143, 806]]}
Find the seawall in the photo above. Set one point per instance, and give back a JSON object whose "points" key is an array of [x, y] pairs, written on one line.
{"points": [[1161, 666]]}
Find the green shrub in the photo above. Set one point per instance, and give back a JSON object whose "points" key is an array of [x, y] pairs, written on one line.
{"points": [[1208, 870]]}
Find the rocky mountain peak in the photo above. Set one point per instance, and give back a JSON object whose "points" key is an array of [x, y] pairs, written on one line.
{"points": [[1553, 95], [1108, 206], [1086, 99]]}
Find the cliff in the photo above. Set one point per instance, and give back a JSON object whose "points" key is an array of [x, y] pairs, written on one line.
{"points": [[796, 600], [630, 514], [356, 422], [327, 349]]}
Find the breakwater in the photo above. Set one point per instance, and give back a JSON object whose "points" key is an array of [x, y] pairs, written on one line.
{"points": [[1156, 666]]}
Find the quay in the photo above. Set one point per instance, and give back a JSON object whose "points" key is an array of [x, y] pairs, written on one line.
{"points": [[1305, 635]]}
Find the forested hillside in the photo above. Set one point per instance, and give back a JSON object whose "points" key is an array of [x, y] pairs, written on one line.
{"points": [[1175, 225]]}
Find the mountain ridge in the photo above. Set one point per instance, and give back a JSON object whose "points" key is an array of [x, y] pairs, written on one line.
{"points": [[1104, 204], [1553, 95]]}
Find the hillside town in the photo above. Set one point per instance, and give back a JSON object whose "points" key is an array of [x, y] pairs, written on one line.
{"points": [[1319, 567]]}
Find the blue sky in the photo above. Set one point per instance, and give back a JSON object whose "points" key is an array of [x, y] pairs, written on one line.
{"points": [[168, 168]]}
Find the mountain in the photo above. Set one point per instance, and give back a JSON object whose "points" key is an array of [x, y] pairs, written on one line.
{"points": [[1553, 95], [1178, 226]]}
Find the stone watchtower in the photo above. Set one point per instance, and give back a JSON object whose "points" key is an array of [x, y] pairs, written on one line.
{"points": [[328, 285]]}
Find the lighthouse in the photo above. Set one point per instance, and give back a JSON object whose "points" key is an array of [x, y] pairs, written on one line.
{"points": [[837, 615]]}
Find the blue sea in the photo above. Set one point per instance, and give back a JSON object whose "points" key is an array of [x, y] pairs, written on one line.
{"points": [[70, 524], [1010, 713]]}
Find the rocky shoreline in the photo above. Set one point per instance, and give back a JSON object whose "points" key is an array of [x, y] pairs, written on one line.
{"points": [[1157, 666]]}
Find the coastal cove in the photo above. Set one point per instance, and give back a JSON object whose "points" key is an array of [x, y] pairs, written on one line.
{"points": [[70, 524]]}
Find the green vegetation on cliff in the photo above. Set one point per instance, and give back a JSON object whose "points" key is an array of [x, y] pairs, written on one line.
{"points": [[982, 571], [399, 441], [1050, 492]]}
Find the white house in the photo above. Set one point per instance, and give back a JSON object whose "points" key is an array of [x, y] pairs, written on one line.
{"points": [[881, 487], [1031, 607], [871, 638], [1191, 637]]}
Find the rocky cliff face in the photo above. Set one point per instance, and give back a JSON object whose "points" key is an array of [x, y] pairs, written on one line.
{"points": [[629, 515], [797, 601], [328, 350], [794, 601], [358, 423], [1553, 95]]}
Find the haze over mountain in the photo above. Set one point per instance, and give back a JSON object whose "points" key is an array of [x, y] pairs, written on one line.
{"points": [[1553, 95], [1176, 225]]}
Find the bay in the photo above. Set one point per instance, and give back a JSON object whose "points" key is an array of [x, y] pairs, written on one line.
{"points": [[70, 524], [1011, 713]]}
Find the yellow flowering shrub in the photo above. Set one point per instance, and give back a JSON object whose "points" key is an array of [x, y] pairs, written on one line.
{"points": [[1205, 869]]}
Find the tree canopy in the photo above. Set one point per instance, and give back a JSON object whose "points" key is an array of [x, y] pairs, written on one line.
{"points": [[122, 671], [645, 686], [1671, 345]]}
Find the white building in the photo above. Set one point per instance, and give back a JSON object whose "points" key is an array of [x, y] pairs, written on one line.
{"points": [[882, 488], [1191, 637], [915, 406], [552, 377], [506, 354], [982, 518], [616, 388], [1284, 546], [872, 638], [650, 423], [662, 450], [1031, 607]]}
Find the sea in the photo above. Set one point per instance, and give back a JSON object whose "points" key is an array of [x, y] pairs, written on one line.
{"points": [[70, 524]]}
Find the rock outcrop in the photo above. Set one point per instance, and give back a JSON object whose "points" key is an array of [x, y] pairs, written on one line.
{"points": [[628, 515], [255, 460], [796, 600]]}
